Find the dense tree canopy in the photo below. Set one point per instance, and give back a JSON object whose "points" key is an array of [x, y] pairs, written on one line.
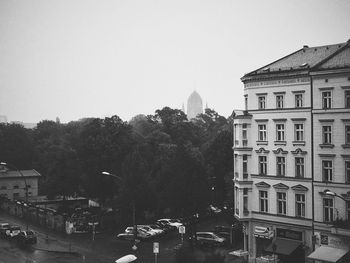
{"points": [[165, 162]]}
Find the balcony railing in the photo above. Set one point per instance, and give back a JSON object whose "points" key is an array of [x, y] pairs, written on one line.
{"points": [[341, 223]]}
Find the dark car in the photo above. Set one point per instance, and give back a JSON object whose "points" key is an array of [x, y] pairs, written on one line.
{"points": [[27, 237], [3, 228]]}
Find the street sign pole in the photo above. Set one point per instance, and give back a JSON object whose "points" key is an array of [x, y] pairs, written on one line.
{"points": [[182, 231], [155, 251]]}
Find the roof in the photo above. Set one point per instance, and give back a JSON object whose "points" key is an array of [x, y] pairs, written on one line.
{"points": [[308, 58], [340, 59], [25, 173]]}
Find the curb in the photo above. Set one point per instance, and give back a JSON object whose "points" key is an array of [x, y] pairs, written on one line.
{"points": [[57, 251]]}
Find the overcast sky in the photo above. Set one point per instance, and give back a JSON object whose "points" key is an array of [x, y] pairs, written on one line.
{"points": [[78, 58]]}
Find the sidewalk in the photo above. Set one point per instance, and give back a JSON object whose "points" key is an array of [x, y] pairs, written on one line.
{"points": [[45, 241], [51, 244]]}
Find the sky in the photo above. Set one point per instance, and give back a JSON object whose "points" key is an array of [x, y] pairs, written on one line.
{"points": [[80, 58]]}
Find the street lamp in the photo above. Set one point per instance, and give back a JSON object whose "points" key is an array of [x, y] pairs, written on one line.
{"points": [[134, 247], [25, 182], [330, 193]]}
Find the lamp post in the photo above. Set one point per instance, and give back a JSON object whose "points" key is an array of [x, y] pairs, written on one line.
{"points": [[330, 193], [134, 247], [25, 182]]}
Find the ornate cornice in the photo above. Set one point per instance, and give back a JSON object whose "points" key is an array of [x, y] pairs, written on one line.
{"points": [[300, 187], [262, 150], [262, 184], [299, 151], [281, 186], [280, 150]]}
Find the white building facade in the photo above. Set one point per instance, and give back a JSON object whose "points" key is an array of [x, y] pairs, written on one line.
{"points": [[278, 154]]}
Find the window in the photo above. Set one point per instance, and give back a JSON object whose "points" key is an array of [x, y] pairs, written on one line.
{"points": [[298, 100], [347, 172], [15, 195], [327, 170], [326, 99], [262, 165], [347, 134], [3, 187], [326, 134], [347, 99], [237, 201], [245, 199], [299, 167], [262, 102], [263, 200], [15, 187], [246, 102], [279, 101], [245, 165], [244, 134], [235, 133], [300, 205], [281, 166], [281, 203], [279, 132], [262, 132], [299, 132], [348, 209], [328, 210]]}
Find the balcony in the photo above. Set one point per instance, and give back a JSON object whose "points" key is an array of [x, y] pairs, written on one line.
{"points": [[341, 226]]}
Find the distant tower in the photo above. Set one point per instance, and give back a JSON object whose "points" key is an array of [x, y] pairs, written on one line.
{"points": [[3, 119], [194, 105]]}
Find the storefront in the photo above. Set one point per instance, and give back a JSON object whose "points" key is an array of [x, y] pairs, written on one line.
{"points": [[279, 244], [331, 248]]}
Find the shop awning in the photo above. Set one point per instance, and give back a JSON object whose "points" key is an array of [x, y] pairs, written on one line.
{"points": [[328, 254], [284, 246]]}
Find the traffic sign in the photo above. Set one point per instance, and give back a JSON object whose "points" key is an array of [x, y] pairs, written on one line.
{"points": [[155, 247], [182, 229]]}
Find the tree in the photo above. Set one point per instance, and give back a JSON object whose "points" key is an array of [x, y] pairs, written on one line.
{"points": [[16, 145]]}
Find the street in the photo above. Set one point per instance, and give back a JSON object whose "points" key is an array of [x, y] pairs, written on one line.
{"points": [[60, 248]]}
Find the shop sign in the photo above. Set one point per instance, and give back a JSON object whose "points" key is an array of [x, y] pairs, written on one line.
{"points": [[263, 232], [290, 234]]}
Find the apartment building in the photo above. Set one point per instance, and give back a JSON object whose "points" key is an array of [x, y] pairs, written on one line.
{"points": [[14, 183], [292, 136]]}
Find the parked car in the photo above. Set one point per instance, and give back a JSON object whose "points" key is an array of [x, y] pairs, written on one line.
{"points": [[26, 237], [152, 231], [13, 231], [129, 235], [157, 228], [144, 228], [209, 239], [171, 222], [3, 228], [165, 227]]}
